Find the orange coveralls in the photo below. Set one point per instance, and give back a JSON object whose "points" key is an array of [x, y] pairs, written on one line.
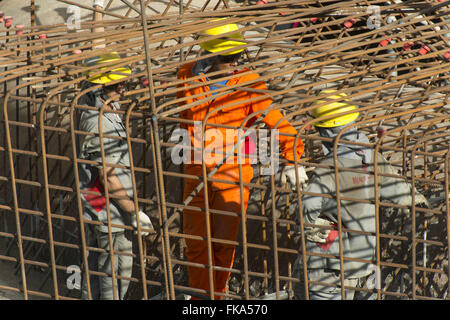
{"points": [[221, 195]]}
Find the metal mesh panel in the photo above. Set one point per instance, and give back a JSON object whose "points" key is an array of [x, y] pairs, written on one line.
{"points": [[390, 58]]}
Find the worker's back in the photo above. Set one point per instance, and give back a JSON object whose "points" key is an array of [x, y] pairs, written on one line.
{"points": [[357, 210]]}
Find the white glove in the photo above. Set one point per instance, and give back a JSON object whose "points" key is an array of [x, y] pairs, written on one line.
{"points": [[99, 3], [421, 200], [316, 234], [144, 221], [288, 175]]}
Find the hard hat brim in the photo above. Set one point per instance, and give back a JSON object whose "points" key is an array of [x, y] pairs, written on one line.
{"points": [[218, 45], [334, 108], [113, 75], [227, 42], [338, 121]]}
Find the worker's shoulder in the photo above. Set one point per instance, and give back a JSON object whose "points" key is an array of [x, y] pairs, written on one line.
{"points": [[328, 163], [89, 118], [325, 168], [185, 70]]}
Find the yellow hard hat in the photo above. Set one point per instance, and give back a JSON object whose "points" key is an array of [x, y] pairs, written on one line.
{"points": [[115, 74], [217, 45], [334, 108]]}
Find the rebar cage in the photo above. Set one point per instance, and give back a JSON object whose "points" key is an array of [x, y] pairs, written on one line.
{"points": [[390, 58]]}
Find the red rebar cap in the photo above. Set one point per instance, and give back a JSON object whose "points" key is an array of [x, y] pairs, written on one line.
{"points": [[381, 131], [43, 36], [313, 19], [385, 42], [8, 21], [20, 27], [260, 2], [408, 46], [447, 55], [424, 50], [77, 51], [309, 126], [349, 23], [144, 82]]}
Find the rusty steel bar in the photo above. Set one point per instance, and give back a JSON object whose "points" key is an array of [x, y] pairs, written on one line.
{"points": [[135, 199], [447, 205], [396, 73], [157, 161]]}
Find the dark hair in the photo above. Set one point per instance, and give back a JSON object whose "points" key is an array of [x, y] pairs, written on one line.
{"points": [[230, 58], [114, 86]]}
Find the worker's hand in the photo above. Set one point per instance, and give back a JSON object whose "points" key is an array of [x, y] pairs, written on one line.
{"points": [[288, 175], [99, 3], [316, 234], [144, 221], [421, 200]]}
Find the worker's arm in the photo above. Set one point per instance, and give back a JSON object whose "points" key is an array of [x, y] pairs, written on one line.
{"points": [[313, 205], [120, 197], [286, 142], [397, 190], [272, 118], [313, 211], [92, 148], [116, 190]]}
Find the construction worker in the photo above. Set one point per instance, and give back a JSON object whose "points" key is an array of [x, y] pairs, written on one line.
{"points": [[223, 195], [323, 213], [118, 180]]}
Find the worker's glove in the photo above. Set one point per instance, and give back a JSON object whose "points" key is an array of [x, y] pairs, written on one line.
{"points": [[144, 221], [316, 234], [99, 3], [288, 175], [420, 200]]}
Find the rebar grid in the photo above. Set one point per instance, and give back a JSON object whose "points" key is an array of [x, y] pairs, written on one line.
{"points": [[397, 74]]}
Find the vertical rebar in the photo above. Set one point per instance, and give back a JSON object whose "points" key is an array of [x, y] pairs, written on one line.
{"points": [[158, 161]]}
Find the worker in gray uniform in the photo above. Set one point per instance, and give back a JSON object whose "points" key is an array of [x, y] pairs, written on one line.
{"points": [[322, 212], [94, 177]]}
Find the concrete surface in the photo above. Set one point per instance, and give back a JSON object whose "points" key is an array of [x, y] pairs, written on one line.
{"points": [[50, 12]]}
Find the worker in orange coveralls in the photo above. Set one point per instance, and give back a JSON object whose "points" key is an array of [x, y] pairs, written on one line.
{"points": [[225, 196]]}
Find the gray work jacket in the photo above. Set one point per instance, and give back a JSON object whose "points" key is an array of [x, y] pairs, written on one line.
{"points": [[116, 152], [355, 215]]}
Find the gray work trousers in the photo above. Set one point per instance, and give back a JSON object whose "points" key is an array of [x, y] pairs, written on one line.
{"points": [[102, 286], [322, 292]]}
